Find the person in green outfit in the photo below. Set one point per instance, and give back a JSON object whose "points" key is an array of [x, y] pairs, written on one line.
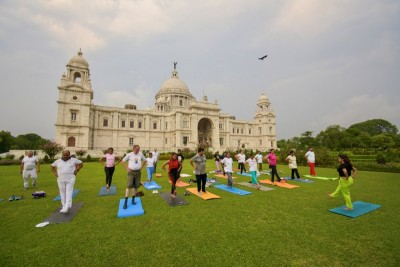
{"points": [[346, 172]]}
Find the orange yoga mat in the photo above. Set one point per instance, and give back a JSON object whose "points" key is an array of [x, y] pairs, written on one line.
{"points": [[179, 183], [223, 176], [205, 196], [158, 174], [285, 185]]}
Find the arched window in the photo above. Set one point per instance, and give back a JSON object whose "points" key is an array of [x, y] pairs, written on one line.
{"points": [[77, 77], [71, 141]]}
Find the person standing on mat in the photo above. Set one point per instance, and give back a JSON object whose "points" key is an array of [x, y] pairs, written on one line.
{"points": [[252, 162], [109, 165], [226, 164], [259, 158], [198, 163], [217, 158], [241, 158], [181, 158], [150, 167], [310, 156], [155, 157], [291, 159], [29, 168], [272, 159], [174, 167], [346, 173], [136, 162], [66, 169]]}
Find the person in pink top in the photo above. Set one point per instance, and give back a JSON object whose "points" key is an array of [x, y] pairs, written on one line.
{"points": [[109, 160], [272, 159]]}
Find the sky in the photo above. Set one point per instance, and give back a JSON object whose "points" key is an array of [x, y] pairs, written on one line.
{"points": [[329, 63]]}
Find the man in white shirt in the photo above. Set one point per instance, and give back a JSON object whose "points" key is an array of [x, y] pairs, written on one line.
{"points": [[241, 158], [66, 169], [226, 163], [310, 156], [136, 161], [29, 168], [259, 158]]}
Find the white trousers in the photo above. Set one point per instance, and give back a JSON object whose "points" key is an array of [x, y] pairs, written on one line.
{"points": [[29, 173], [66, 187]]}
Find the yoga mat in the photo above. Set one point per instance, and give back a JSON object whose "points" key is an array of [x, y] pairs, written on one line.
{"points": [[233, 190], [58, 217], [158, 174], [132, 210], [359, 208], [320, 177], [285, 185], [76, 191], [262, 188], [245, 174], [223, 176], [205, 196], [104, 192], [185, 175], [177, 201], [151, 186], [179, 183], [298, 180]]}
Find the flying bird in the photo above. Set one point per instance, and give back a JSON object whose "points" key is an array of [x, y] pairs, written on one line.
{"points": [[262, 58]]}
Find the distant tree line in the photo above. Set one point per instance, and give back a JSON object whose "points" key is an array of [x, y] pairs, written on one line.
{"points": [[364, 137], [30, 141]]}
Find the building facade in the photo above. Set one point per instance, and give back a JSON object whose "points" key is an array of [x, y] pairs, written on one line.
{"points": [[177, 119]]}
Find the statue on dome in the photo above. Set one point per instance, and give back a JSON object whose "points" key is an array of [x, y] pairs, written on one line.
{"points": [[175, 63]]}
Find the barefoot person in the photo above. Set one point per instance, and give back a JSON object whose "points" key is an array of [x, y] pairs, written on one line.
{"points": [[150, 167], [109, 165], [29, 168], [272, 159], [310, 156], [66, 169], [198, 163], [252, 162], [291, 159], [346, 172], [226, 164], [174, 167], [136, 162]]}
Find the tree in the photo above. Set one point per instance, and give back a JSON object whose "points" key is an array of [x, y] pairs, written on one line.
{"points": [[6, 141], [29, 141], [374, 127], [52, 149]]}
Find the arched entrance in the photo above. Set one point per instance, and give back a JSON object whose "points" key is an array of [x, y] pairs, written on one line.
{"points": [[71, 142], [204, 132]]}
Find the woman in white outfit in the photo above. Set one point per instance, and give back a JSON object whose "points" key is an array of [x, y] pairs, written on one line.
{"points": [[65, 169]]}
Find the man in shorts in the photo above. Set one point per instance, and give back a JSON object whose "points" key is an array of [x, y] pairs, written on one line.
{"points": [[136, 161], [29, 168]]}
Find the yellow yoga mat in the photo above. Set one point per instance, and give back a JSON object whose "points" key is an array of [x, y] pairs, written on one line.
{"points": [[205, 196], [285, 185], [179, 183], [158, 174]]}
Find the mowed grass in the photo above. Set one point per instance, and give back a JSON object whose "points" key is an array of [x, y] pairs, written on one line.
{"points": [[283, 227]]}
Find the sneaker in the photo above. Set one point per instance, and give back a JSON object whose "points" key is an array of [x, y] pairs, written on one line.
{"points": [[64, 209]]}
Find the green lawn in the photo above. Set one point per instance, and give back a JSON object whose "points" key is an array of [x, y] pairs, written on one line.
{"points": [[284, 227]]}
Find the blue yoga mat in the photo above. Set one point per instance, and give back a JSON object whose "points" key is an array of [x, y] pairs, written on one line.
{"points": [[359, 208], [246, 174], [233, 190], [132, 210], [104, 192], [76, 191], [298, 180], [151, 186]]}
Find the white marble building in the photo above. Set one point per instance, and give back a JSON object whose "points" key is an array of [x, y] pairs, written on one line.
{"points": [[177, 119]]}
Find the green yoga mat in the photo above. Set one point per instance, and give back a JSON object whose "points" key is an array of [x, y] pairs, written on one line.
{"points": [[58, 217], [321, 178]]}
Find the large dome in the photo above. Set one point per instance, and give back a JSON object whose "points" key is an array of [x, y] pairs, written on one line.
{"points": [[174, 86], [78, 61]]}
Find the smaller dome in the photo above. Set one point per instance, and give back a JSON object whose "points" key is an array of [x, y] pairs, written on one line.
{"points": [[263, 97], [78, 61]]}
